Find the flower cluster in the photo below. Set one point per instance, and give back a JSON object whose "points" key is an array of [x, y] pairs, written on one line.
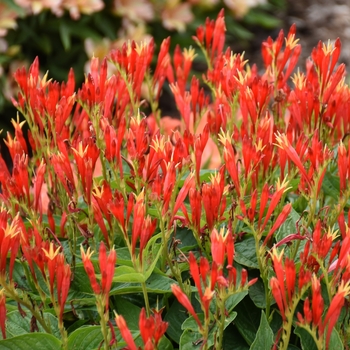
{"points": [[240, 206]]}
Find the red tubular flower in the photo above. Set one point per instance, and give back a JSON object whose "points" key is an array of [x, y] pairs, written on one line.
{"points": [[317, 301], [188, 184], [62, 284], [125, 332], [98, 217], [335, 308], [218, 247], [9, 241], [196, 207], [282, 217], [107, 267], [185, 302], [3, 313], [278, 295], [283, 143], [195, 273], [85, 159], [38, 183], [90, 270], [51, 255], [160, 325], [146, 326], [281, 188], [152, 328], [218, 36], [230, 162], [343, 168]]}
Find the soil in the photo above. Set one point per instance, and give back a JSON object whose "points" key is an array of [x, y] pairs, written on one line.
{"points": [[321, 20]]}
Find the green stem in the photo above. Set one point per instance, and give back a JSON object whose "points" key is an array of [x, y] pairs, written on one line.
{"points": [[36, 313], [145, 297], [104, 329], [222, 323]]}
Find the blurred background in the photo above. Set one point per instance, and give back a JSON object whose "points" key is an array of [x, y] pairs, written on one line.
{"points": [[67, 33]]}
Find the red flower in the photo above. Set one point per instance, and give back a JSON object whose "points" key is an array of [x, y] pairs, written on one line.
{"points": [[185, 302], [90, 270], [125, 332], [107, 267], [3, 313], [152, 328]]}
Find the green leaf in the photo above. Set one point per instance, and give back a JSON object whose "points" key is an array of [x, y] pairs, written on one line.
{"points": [[85, 338], [151, 255], [65, 35], [247, 320], [37, 341], [256, 17], [306, 340], [233, 339], [288, 227], [245, 253], [190, 340], [176, 315], [129, 311], [165, 344], [264, 336], [128, 274], [90, 338], [155, 284], [331, 185], [335, 342], [18, 325], [233, 300], [186, 238], [257, 294], [190, 322]]}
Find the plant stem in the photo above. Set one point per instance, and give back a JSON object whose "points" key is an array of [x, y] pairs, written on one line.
{"points": [[222, 323], [37, 314], [145, 297], [104, 329]]}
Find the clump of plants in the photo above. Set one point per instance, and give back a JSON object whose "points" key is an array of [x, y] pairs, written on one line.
{"points": [[227, 229]]}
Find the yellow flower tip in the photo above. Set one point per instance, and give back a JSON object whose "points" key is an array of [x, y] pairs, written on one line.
{"points": [[344, 288], [140, 47], [332, 233], [283, 185], [259, 146], [282, 140], [80, 151], [140, 196], [299, 80], [328, 48], [240, 77], [189, 54], [51, 253], [17, 122], [158, 144], [275, 255], [214, 178], [97, 192], [86, 255], [291, 42], [224, 138]]}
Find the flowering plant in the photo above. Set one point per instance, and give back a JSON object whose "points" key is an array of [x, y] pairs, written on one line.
{"points": [[227, 229], [73, 31]]}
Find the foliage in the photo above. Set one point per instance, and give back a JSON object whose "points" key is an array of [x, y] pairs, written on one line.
{"points": [[227, 229]]}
